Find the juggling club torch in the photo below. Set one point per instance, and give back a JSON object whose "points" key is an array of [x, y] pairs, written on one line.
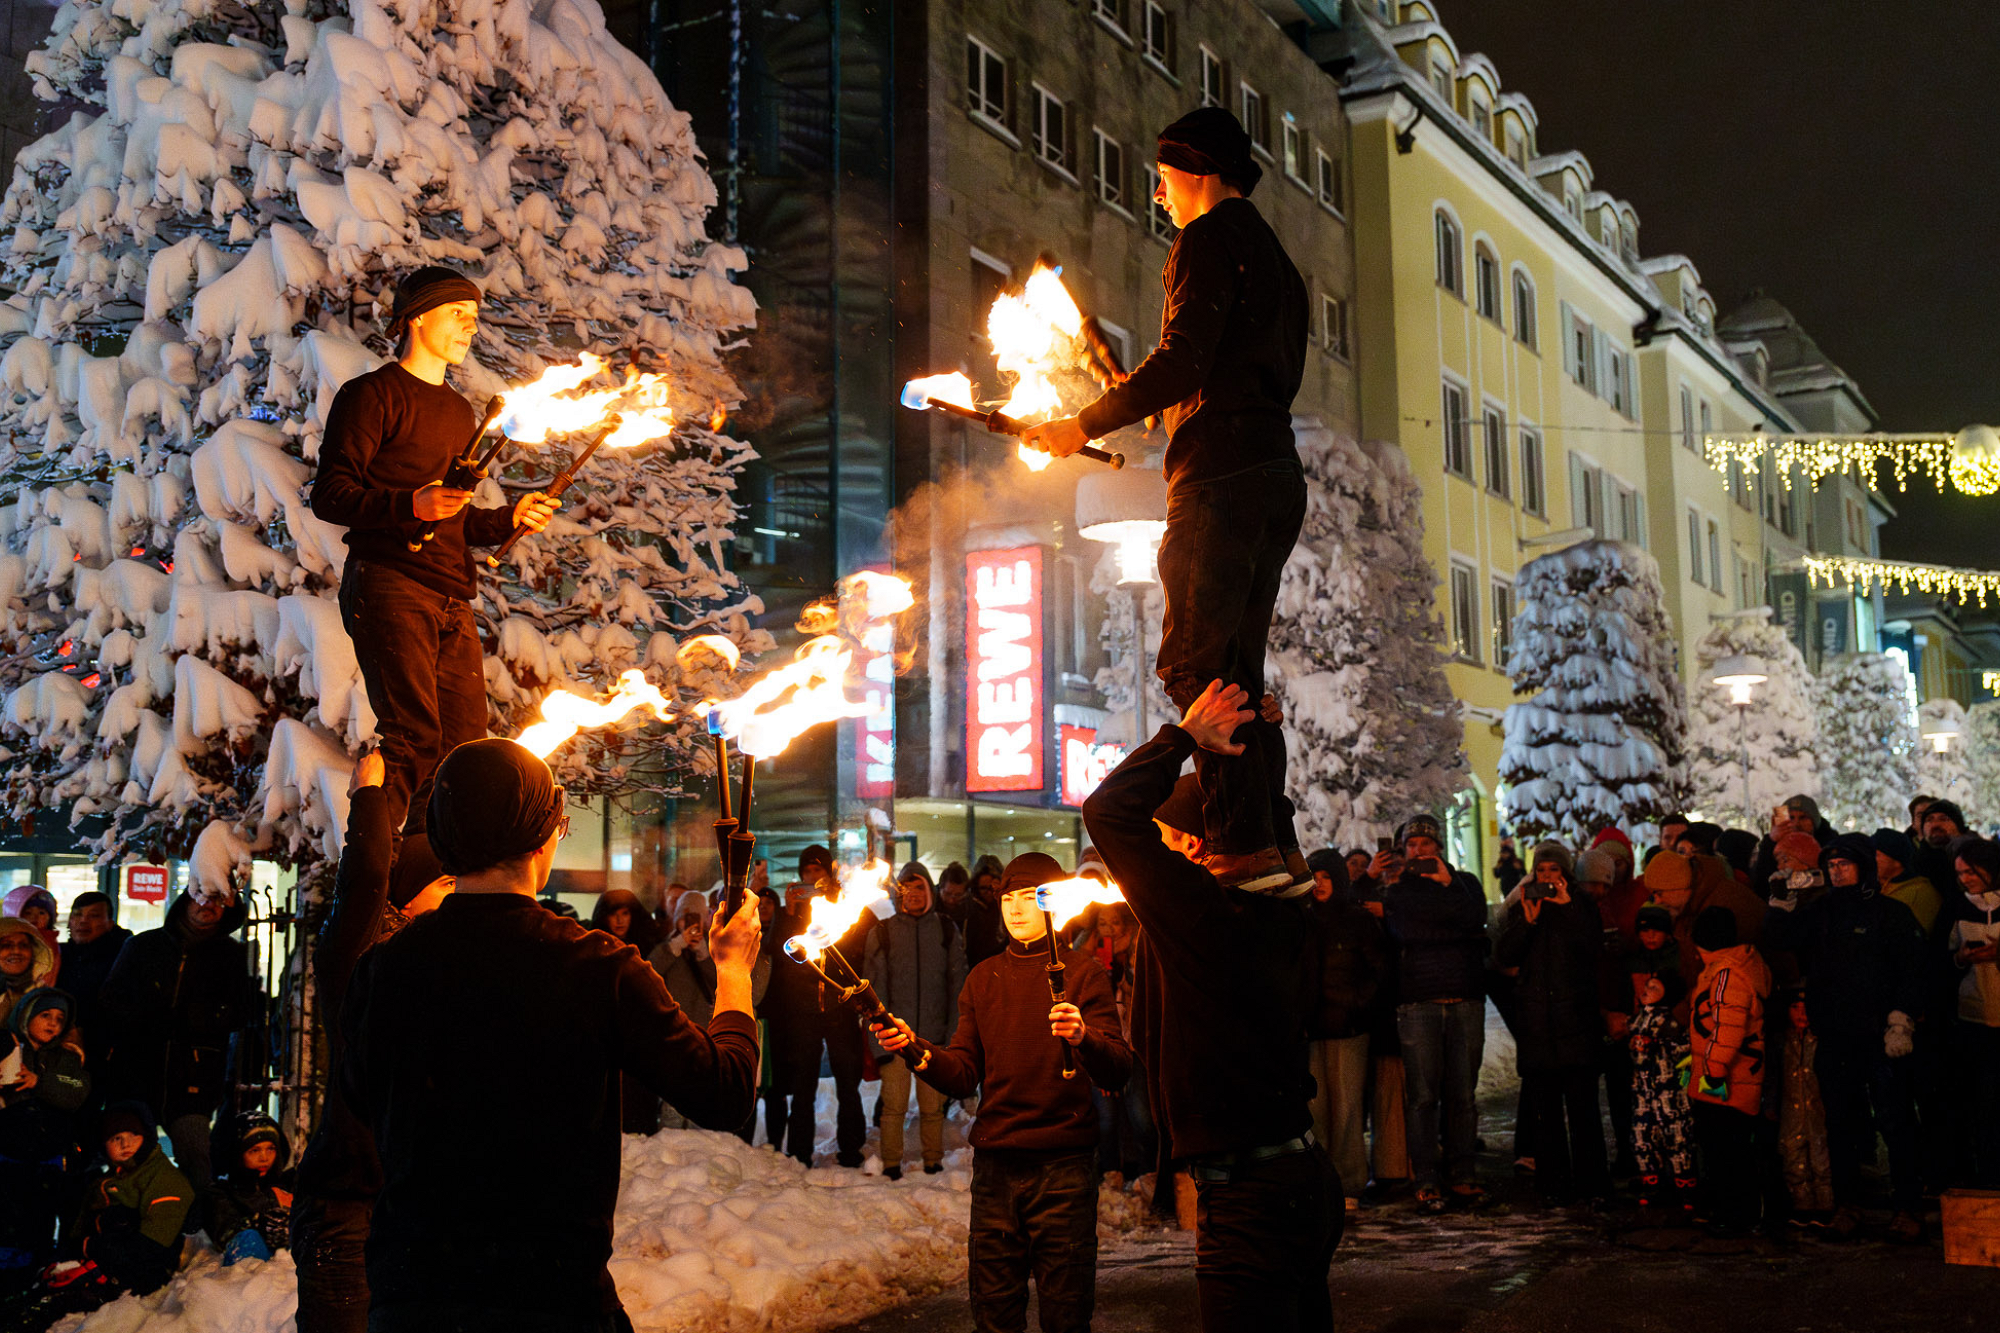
{"points": [[1057, 986], [466, 470], [860, 996], [999, 423], [560, 484]]}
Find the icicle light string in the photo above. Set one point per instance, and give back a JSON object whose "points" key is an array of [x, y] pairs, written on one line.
{"points": [[1990, 681], [1968, 459], [1963, 584]]}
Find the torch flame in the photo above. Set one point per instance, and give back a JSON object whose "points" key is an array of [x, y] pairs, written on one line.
{"points": [[954, 388], [861, 888], [1066, 899], [881, 595], [555, 403], [725, 649], [564, 713], [1034, 337]]}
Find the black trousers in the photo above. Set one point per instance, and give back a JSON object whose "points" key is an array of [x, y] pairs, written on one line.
{"points": [[1728, 1180], [1221, 561], [1264, 1241], [1569, 1135], [1616, 1062], [840, 1035], [420, 658], [329, 1240], [1856, 1077], [1033, 1214]]}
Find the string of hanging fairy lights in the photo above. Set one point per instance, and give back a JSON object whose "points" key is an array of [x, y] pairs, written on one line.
{"points": [[1903, 576], [1990, 681], [1969, 459]]}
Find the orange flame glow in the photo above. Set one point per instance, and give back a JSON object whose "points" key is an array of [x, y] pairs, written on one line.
{"points": [[564, 713], [861, 887], [954, 388], [1067, 899], [556, 403], [1034, 337], [725, 649]]}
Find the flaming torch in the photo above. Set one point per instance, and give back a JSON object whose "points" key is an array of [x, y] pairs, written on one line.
{"points": [[468, 470], [1062, 901], [565, 713], [861, 888]]}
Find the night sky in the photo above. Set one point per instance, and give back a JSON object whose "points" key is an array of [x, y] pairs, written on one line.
{"points": [[1844, 157]]}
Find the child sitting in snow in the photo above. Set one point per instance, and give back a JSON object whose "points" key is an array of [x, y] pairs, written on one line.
{"points": [[1034, 1162], [1802, 1142], [42, 1084], [249, 1210], [128, 1237], [1662, 1122]]}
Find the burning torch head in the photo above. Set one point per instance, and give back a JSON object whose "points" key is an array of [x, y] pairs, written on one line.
{"points": [[491, 801]]}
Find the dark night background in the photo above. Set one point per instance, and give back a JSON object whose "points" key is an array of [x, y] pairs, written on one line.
{"points": [[1845, 157]]}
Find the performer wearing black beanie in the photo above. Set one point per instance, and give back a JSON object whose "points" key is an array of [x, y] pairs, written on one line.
{"points": [[1231, 355], [390, 435]]}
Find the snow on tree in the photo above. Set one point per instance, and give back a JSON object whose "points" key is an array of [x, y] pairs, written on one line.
{"points": [[1356, 649], [197, 263], [1867, 742], [1602, 739], [1778, 728], [1942, 768], [1982, 756]]}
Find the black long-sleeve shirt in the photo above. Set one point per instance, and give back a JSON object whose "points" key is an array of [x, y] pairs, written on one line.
{"points": [[1219, 1003], [485, 1041], [388, 435], [1232, 351], [1003, 1050]]}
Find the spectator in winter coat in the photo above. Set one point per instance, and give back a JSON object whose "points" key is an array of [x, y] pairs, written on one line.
{"points": [[1896, 870], [683, 962], [1974, 941], [248, 1213], [1802, 1144], [1127, 1139], [815, 1020], [173, 1000], [1687, 887], [916, 960], [1662, 1120], [1350, 964], [1943, 825], [1507, 868], [1436, 916], [42, 1087], [27, 962], [954, 886], [87, 955], [792, 1022], [1555, 938], [1727, 1083], [1034, 1164], [1738, 848], [1623, 896], [37, 906], [1862, 957], [984, 934], [1799, 814], [621, 915]]}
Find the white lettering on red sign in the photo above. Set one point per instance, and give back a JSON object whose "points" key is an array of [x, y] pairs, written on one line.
{"points": [[1085, 763], [875, 730], [146, 884], [1003, 651]]}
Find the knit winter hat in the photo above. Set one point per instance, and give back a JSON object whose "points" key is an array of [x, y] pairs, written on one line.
{"points": [[1950, 808], [1704, 836], [40, 1000], [491, 801], [1654, 917], [1211, 142], [1328, 861], [1801, 847], [426, 289], [1031, 870], [1859, 849], [1896, 845], [1551, 850], [1181, 811], [1420, 826], [1715, 929], [253, 1128], [1669, 872], [1596, 866], [125, 1118], [1804, 805], [814, 855]]}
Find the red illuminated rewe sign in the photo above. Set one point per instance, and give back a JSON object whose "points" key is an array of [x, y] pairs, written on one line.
{"points": [[146, 884], [875, 730], [1003, 657], [1085, 762]]}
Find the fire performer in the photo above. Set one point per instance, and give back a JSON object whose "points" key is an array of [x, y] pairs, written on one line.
{"points": [[405, 598], [491, 1027], [1034, 1160], [1230, 359], [1218, 1020]]}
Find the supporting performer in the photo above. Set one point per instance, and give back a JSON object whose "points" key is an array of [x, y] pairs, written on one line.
{"points": [[1231, 355], [405, 596]]}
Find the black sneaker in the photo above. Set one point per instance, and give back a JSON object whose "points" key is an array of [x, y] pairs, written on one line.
{"points": [[892, 1173], [933, 1168]]}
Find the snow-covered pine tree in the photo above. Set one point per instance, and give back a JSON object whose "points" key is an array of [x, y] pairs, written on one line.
{"points": [[1602, 738], [194, 267], [1867, 742], [1356, 650], [1944, 773], [1982, 755], [1778, 727]]}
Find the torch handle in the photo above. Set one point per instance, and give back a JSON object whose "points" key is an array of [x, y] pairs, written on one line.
{"points": [[467, 471], [1002, 424], [557, 487], [1058, 989]]}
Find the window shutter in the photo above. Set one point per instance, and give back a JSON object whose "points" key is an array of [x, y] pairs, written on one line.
{"points": [[1569, 347], [1579, 489], [1639, 511], [1602, 346]]}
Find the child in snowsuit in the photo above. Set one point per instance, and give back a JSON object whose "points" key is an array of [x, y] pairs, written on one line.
{"points": [[1662, 1121], [42, 1084], [1726, 1086], [249, 1210], [1034, 1161], [1802, 1142]]}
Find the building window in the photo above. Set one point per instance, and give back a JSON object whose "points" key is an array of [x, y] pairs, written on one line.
{"points": [[1707, 421], [1482, 119], [1111, 13], [1457, 447], [1688, 440], [1465, 613], [1109, 169], [1524, 310], [1517, 148], [1333, 325], [1295, 150], [1158, 35], [1158, 220], [1534, 491], [1211, 79], [1329, 183], [1450, 258], [1628, 242], [1715, 556], [985, 82], [1486, 280], [1573, 203], [1580, 349], [1051, 129], [1503, 622], [1694, 546], [1493, 422], [1441, 78], [1256, 119], [1586, 495], [1631, 515]]}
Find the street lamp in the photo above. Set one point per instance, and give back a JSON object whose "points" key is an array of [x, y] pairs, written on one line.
{"points": [[1129, 510], [1741, 675]]}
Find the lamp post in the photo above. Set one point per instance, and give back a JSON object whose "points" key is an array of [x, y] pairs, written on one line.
{"points": [[1741, 675], [1129, 510], [1941, 740]]}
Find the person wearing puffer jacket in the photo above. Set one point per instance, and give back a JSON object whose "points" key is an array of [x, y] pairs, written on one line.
{"points": [[1726, 1087], [916, 961], [1861, 956], [27, 962], [1975, 951]]}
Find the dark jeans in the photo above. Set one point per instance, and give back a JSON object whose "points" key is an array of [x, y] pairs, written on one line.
{"points": [[1221, 561], [1855, 1076], [1615, 1061], [1977, 1050], [420, 658], [329, 1237], [1264, 1240], [1728, 1178], [1442, 1047], [1033, 1213], [1125, 1127], [840, 1035], [1569, 1134]]}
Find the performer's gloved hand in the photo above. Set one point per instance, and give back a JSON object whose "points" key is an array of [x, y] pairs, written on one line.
{"points": [[1066, 1021], [534, 511], [436, 502], [1215, 715], [1061, 437], [892, 1033]]}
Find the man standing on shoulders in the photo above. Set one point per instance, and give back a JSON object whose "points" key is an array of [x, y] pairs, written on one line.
{"points": [[1231, 355], [485, 1041]]}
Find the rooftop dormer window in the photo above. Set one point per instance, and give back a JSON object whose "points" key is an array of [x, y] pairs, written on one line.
{"points": [[1572, 201], [1482, 117], [1517, 148], [1441, 76]]}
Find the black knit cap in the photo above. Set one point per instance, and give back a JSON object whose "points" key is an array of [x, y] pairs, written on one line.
{"points": [[1210, 141], [1182, 810], [491, 801], [1715, 929], [426, 289], [124, 1118], [1031, 870]]}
